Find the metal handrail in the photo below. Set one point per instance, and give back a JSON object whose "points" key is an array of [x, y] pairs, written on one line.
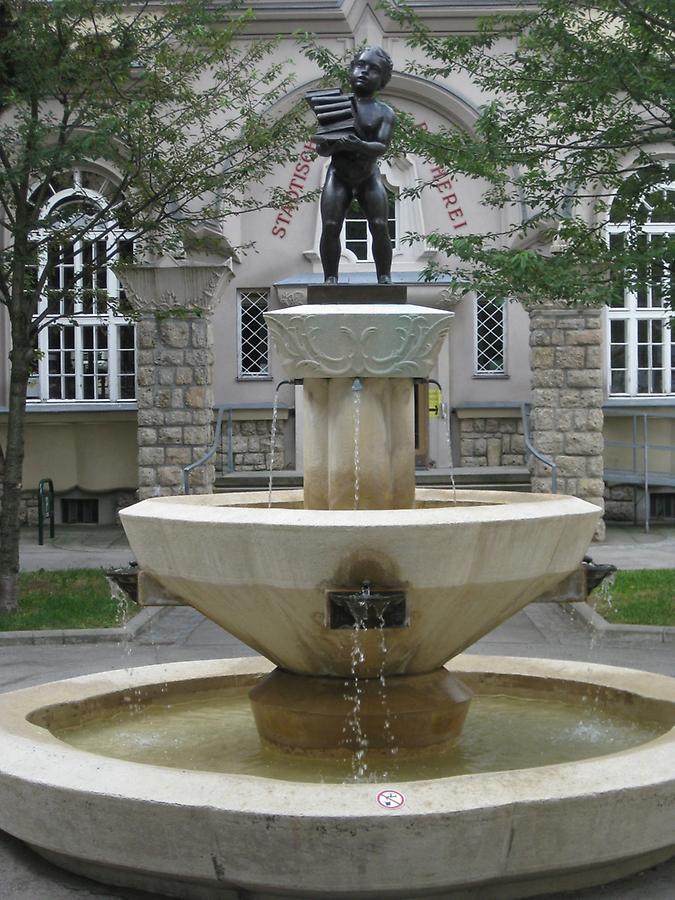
{"points": [[647, 477], [223, 408], [207, 456], [529, 446], [45, 507]]}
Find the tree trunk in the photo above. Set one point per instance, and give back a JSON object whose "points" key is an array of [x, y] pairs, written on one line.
{"points": [[12, 480]]}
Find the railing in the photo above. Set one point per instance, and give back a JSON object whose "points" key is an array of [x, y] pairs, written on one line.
{"points": [[207, 456], [222, 409], [532, 450], [641, 473], [45, 508]]}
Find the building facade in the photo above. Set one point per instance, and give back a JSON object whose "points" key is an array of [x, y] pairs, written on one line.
{"points": [[116, 407]]}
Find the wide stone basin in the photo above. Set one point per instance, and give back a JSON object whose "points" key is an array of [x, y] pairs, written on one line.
{"points": [[465, 560], [209, 836]]}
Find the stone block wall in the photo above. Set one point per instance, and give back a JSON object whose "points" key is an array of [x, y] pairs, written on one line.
{"points": [[619, 502], [491, 442], [122, 500], [566, 420], [252, 445], [175, 403], [28, 510]]}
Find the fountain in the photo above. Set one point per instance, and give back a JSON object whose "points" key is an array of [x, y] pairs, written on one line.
{"points": [[351, 759], [357, 779]]}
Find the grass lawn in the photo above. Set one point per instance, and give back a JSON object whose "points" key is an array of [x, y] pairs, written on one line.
{"points": [[67, 598], [642, 597]]}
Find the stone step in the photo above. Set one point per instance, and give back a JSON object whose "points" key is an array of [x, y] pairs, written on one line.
{"points": [[485, 478]]}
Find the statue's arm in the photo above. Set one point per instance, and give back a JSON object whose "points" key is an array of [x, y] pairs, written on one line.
{"points": [[378, 147], [324, 147], [354, 144]]}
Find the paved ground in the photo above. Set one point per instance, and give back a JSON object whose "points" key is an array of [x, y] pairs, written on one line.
{"points": [[629, 547], [76, 546], [545, 630]]}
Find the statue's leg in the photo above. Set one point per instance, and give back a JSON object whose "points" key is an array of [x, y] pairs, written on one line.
{"points": [[372, 196], [335, 201]]}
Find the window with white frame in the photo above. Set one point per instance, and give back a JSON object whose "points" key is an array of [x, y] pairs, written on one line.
{"points": [[253, 337], [87, 346], [356, 235], [641, 342], [489, 336]]}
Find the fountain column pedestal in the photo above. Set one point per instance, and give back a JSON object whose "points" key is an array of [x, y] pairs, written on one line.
{"points": [[407, 712], [374, 469]]}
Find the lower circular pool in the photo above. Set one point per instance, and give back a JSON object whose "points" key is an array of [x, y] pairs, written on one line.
{"points": [[204, 834], [213, 730]]}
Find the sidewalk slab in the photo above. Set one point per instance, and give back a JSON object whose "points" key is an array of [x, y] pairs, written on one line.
{"points": [[133, 628], [623, 634]]}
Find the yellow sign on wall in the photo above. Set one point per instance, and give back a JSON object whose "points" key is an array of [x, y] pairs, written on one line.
{"points": [[434, 400]]}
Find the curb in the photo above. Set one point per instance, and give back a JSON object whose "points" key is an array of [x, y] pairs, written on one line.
{"points": [[621, 634], [134, 627]]}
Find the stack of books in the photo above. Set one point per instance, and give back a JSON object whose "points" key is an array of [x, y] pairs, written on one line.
{"points": [[334, 112]]}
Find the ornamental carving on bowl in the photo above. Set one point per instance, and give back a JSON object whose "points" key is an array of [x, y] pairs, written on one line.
{"points": [[398, 345]]}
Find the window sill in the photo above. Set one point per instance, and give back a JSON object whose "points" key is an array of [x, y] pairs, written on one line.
{"points": [[47, 406], [639, 401], [489, 376]]}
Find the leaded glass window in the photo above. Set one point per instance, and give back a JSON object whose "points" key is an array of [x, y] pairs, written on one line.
{"points": [[253, 334], [490, 336]]}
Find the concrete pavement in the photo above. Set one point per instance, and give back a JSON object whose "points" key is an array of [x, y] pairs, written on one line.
{"points": [[75, 547], [180, 633], [630, 547]]}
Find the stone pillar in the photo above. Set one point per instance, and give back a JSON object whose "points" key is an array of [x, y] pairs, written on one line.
{"points": [[567, 395], [174, 372]]}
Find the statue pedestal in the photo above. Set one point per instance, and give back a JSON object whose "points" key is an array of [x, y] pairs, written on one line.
{"points": [[356, 293]]}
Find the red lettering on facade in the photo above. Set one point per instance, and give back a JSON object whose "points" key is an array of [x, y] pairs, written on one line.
{"points": [[296, 185], [444, 186]]}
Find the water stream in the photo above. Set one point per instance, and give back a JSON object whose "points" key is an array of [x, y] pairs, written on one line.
{"points": [[273, 440], [445, 412], [357, 388], [353, 732]]}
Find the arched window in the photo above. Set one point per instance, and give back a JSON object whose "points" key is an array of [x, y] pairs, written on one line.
{"points": [[356, 236], [87, 347], [641, 342]]}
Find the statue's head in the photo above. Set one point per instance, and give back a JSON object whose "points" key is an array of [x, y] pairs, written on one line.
{"points": [[377, 57]]}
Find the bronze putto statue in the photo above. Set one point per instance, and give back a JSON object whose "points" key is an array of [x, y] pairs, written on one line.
{"points": [[355, 131]]}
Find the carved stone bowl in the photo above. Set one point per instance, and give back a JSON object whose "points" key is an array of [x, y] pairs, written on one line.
{"points": [[464, 561], [348, 341]]}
